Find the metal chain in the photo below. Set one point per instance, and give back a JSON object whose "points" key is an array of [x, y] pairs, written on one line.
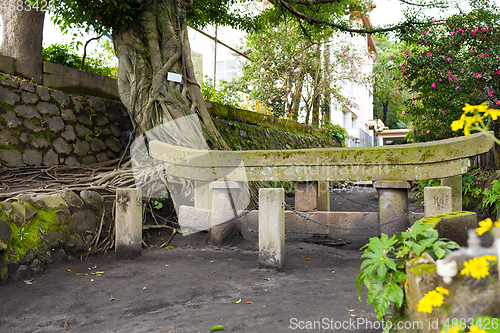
{"points": [[343, 228], [177, 223], [359, 203]]}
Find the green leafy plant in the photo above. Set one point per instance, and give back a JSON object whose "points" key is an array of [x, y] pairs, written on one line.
{"points": [[492, 198], [22, 234], [383, 270], [88, 137], [422, 184], [156, 204], [336, 132], [220, 94]]}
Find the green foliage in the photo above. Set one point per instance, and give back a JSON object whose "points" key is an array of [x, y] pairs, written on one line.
{"points": [[383, 269], [492, 198], [336, 132], [156, 204], [473, 183], [220, 95], [422, 184], [447, 65]]}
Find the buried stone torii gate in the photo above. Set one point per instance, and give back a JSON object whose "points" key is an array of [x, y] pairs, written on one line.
{"points": [[390, 167]]}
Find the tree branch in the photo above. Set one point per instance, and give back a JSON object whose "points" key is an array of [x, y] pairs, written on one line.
{"points": [[315, 2]]}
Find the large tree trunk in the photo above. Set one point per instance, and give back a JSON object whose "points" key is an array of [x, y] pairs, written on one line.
{"points": [[157, 44], [22, 40]]}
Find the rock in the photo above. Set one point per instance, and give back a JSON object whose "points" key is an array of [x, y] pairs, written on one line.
{"points": [[32, 158], [89, 160], [43, 93], [27, 86], [7, 139], [61, 146], [24, 137], [15, 217], [8, 96], [29, 98], [93, 199], [81, 148], [115, 130], [28, 257], [97, 145], [56, 124], [102, 157], [69, 133], [27, 112], [11, 158], [86, 119], [78, 105], [3, 246], [71, 161], [9, 83], [11, 120], [37, 203], [97, 104], [84, 220], [48, 108], [71, 198], [39, 143], [53, 238], [68, 115], [55, 256], [60, 97], [21, 273], [36, 266], [5, 231], [113, 143], [50, 158], [101, 120], [32, 127], [53, 202], [82, 131], [29, 214]]}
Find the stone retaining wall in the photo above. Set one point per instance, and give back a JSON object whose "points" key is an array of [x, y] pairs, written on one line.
{"points": [[45, 127]]}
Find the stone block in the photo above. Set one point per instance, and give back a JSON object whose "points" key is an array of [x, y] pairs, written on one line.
{"points": [[71, 198], [29, 98], [56, 124], [47, 108], [8, 96], [11, 158], [83, 220], [271, 227], [11, 119], [454, 225], [306, 196], [27, 112], [93, 199], [43, 92], [128, 223], [225, 201], [32, 157], [59, 97], [50, 158], [69, 133], [437, 200], [61, 146], [455, 183], [194, 218], [324, 196], [393, 204], [27, 86], [7, 64]]}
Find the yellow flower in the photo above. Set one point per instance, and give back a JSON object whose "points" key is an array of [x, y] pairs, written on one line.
{"points": [[435, 298], [491, 258], [453, 330], [493, 113], [497, 224], [484, 226], [471, 108], [475, 329], [424, 305], [469, 121], [458, 124], [442, 290], [477, 267]]}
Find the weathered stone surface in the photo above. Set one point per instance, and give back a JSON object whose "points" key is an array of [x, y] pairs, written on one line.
{"points": [[82, 131], [85, 119], [437, 200], [81, 148], [29, 98], [53, 237], [97, 145], [71, 198], [37, 203], [32, 127], [32, 157], [306, 196], [11, 119], [93, 199], [113, 143], [69, 133], [39, 143], [48, 108], [43, 92], [100, 120], [68, 115], [36, 266], [102, 157], [71, 161], [56, 124], [9, 83], [50, 158], [27, 112], [115, 131], [5, 230], [21, 273], [77, 104], [8, 96], [11, 158], [61, 146], [60, 97], [97, 104], [82, 221], [89, 160], [27, 86], [7, 139], [23, 137]]}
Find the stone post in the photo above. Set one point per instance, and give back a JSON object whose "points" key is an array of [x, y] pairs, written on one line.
{"points": [[225, 197], [271, 227], [392, 203], [437, 200], [306, 196], [455, 183], [324, 196], [128, 223], [202, 195]]}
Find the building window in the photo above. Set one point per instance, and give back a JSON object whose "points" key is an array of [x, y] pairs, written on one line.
{"points": [[225, 70]]}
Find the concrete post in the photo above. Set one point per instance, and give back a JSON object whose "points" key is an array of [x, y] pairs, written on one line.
{"points": [[128, 223], [393, 203], [271, 227], [455, 183], [225, 196], [306, 196], [202, 195], [437, 200], [324, 196]]}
